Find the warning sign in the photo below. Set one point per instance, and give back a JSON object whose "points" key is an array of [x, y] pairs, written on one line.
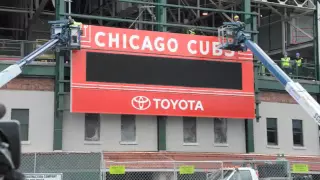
{"points": [[43, 176], [186, 169], [117, 169], [300, 168]]}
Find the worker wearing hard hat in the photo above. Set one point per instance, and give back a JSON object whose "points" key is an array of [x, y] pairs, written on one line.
{"points": [[76, 32], [241, 26], [298, 65], [236, 18], [74, 23], [286, 64]]}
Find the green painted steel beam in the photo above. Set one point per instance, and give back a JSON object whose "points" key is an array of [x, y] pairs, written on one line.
{"points": [[162, 133], [103, 18], [161, 121], [249, 122], [59, 87], [188, 7], [316, 41], [256, 71], [161, 17], [34, 70]]}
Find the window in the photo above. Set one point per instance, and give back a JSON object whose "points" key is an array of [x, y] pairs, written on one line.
{"points": [[22, 115], [297, 131], [220, 130], [92, 127], [189, 129], [128, 128], [272, 131]]}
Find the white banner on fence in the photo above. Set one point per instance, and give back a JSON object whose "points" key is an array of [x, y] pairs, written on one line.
{"points": [[43, 176]]}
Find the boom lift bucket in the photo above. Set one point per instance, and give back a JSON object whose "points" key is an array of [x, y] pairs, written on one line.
{"points": [[230, 38], [72, 34]]}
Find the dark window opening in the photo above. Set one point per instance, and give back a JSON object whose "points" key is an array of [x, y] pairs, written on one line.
{"points": [[22, 115], [297, 131], [272, 131]]}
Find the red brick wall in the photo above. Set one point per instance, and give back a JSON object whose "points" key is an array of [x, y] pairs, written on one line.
{"points": [[32, 84], [282, 97]]}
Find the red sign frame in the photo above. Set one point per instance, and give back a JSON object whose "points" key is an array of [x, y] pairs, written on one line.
{"points": [[115, 98]]}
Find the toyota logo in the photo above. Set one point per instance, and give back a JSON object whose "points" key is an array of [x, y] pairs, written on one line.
{"points": [[140, 102]]}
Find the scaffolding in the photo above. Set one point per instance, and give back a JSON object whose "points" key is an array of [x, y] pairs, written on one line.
{"points": [[177, 16]]}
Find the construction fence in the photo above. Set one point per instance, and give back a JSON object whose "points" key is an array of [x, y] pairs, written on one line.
{"points": [[93, 166]]}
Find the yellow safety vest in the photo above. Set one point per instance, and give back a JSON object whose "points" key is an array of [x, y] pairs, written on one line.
{"points": [[299, 62], [191, 32], [285, 62], [75, 24]]}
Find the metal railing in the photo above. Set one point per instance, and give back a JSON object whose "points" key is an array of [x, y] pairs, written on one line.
{"points": [[13, 50], [307, 71], [16, 49]]}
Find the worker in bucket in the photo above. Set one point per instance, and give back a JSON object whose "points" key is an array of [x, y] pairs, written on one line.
{"points": [[74, 24], [241, 26], [236, 19], [191, 31]]}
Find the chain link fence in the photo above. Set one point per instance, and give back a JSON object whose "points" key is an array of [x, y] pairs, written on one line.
{"points": [[93, 166], [73, 166], [198, 170], [302, 170], [16, 49], [168, 170]]}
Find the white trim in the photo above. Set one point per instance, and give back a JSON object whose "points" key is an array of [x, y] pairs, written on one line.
{"points": [[299, 147], [221, 144], [25, 142], [187, 91], [191, 144], [128, 142], [92, 142], [273, 147]]}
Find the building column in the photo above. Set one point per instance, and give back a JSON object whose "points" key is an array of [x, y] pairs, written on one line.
{"points": [[316, 44], [162, 137], [59, 87], [161, 15], [248, 122]]}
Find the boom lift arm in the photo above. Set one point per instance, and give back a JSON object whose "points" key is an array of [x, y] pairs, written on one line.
{"points": [[64, 36], [232, 37]]}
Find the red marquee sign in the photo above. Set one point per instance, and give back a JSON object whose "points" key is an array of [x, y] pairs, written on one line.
{"points": [[123, 71]]}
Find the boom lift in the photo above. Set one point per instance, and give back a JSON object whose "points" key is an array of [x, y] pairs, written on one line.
{"points": [[65, 35], [232, 37]]}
